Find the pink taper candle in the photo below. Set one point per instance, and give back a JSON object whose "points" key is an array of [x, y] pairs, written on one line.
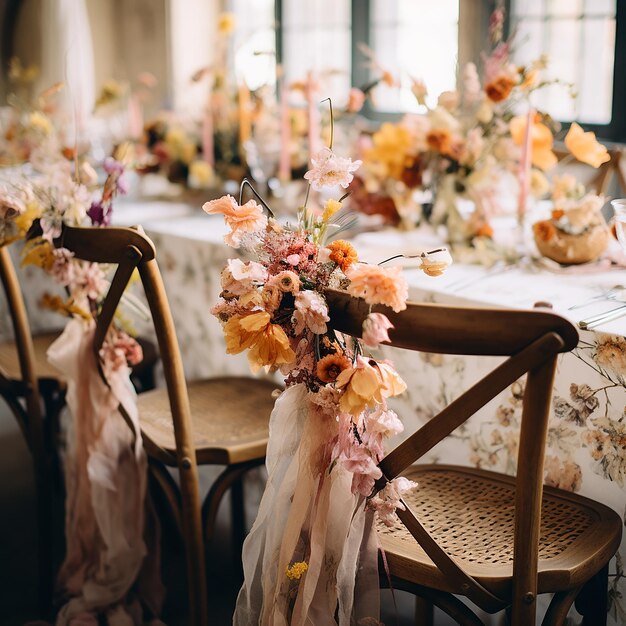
{"points": [[284, 166], [135, 117], [207, 133], [524, 168]]}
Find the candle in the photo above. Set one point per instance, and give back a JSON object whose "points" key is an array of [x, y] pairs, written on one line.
{"points": [[524, 168], [135, 117], [284, 167], [244, 115], [207, 132], [313, 115]]}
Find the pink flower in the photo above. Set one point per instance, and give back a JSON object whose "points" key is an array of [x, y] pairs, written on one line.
{"points": [[385, 422], [120, 351], [247, 218], [356, 99], [90, 280], [62, 269], [329, 170], [293, 259], [378, 285], [366, 472], [375, 329], [311, 312], [388, 499]]}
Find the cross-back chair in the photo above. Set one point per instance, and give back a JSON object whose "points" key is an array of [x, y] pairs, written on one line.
{"points": [[26, 380], [221, 421], [495, 539]]}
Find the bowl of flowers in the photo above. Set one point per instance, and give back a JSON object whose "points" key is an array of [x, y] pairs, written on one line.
{"points": [[576, 231]]}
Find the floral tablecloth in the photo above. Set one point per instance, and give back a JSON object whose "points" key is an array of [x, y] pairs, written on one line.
{"points": [[587, 437]]}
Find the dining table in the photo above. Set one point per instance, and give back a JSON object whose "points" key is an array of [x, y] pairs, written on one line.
{"points": [[586, 446]]}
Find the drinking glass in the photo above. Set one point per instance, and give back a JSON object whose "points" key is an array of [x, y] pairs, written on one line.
{"points": [[619, 219]]}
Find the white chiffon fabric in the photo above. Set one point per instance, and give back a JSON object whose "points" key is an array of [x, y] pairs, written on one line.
{"points": [[309, 514], [105, 573]]}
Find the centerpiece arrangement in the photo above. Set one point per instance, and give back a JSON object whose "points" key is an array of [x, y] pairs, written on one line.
{"points": [[311, 556], [479, 145]]}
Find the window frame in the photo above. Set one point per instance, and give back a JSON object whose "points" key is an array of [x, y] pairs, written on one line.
{"points": [[473, 27]]}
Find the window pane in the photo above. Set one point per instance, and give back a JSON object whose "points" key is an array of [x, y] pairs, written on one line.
{"points": [[254, 42], [415, 39], [579, 38], [317, 37]]}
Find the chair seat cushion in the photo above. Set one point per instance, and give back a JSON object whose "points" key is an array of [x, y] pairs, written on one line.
{"points": [[470, 513], [230, 420]]}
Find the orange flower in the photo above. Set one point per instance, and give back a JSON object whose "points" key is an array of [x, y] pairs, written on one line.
{"points": [[378, 285], [329, 367], [541, 141], [557, 214], [485, 230], [342, 253], [585, 147], [544, 230], [247, 218], [439, 140], [268, 343], [500, 88]]}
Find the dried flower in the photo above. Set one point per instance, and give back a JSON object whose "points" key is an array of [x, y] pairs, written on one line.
{"points": [[500, 88], [330, 208], [544, 230], [330, 366], [342, 253], [435, 263], [286, 281], [329, 170], [611, 354], [378, 285]]}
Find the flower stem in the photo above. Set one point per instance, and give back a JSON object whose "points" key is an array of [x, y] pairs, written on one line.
{"points": [[245, 182], [332, 122]]}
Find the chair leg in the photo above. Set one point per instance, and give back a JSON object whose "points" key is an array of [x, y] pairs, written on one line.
{"points": [[194, 545], [559, 607], [592, 601], [424, 612], [238, 516], [45, 540]]}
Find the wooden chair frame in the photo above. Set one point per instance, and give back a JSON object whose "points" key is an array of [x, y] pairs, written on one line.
{"points": [[24, 396], [130, 249], [532, 341]]}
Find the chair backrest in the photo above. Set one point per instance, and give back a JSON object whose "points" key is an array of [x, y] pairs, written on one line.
{"points": [[597, 180], [130, 249], [531, 340], [27, 386]]}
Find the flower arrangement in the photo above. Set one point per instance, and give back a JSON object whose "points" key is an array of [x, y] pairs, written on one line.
{"points": [[273, 306], [470, 148], [576, 231]]}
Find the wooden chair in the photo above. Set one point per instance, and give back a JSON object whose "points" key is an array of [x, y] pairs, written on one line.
{"points": [[497, 540], [26, 380], [596, 180], [222, 421]]}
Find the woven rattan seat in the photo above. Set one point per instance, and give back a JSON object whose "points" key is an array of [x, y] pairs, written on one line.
{"points": [[10, 365], [230, 418], [470, 513]]}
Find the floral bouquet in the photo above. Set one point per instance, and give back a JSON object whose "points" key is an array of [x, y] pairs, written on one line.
{"points": [[311, 556]]}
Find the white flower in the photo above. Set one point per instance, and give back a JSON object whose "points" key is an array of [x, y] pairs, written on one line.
{"points": [[311, 312], [238, 277], [387, 500], [329, 170], [434, 263], [11, 203], [449, 100]]}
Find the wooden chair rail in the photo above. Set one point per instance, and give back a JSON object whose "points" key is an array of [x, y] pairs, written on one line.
{"points": [[454, 330], [466, 405]]}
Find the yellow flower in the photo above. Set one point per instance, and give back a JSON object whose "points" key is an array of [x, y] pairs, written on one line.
{"points": [[40, 123], [367, 384], [226, 23], [330, 208], [541, 141], [391, 147], [110, 91], [585, 147], [295, 571], [200, 173], [38, 252], [67, 308], [268, 343]]}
